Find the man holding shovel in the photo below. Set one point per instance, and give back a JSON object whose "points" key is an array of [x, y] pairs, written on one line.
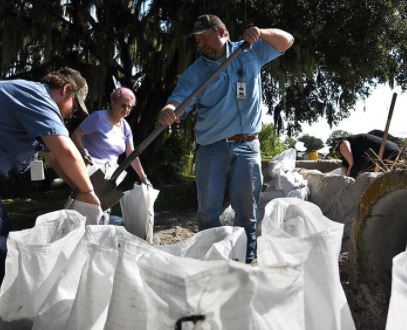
{"points": [[32, 121], [229, 119]]}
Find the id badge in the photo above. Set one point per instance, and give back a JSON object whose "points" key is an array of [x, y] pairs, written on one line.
{"points": [[37, 170], [241, 90]]}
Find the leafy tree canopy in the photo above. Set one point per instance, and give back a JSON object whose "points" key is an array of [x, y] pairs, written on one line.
{"points": [[311, 142], [342, 50]]}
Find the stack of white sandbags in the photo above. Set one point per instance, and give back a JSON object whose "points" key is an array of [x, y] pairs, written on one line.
{"points": [[61, 275]]}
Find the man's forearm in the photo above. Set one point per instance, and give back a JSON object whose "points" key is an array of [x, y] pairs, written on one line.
{"points": [[70, 162], [53, 162]]}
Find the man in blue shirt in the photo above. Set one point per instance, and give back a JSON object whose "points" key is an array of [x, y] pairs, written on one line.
{"points": [[229, 119], [32, 120]]}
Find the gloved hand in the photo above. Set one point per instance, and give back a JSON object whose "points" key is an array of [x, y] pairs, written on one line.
{"points": [[86, 157], [145, 181]]}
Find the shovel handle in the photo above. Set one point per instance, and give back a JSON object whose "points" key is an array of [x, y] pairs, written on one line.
{"points": [[386, 130], [178, 112]]}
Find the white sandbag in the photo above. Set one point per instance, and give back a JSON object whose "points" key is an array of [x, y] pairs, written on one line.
{"points": [[227, 218], [54, 312], [326, 306], [137, 207], [36, 257], [212, 244], [82, 295], [80, 300], [89, 310], [396, 317], [284, 161], [280, 248], [154, 290]]}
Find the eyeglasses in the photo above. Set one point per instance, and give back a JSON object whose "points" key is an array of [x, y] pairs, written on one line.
{"points": [[125, 106]]}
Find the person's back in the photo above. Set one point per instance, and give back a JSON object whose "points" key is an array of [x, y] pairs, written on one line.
{"points": [[362, 146]]}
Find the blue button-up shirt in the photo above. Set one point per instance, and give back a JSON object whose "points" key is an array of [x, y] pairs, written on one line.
{"points": [[220, 113]]}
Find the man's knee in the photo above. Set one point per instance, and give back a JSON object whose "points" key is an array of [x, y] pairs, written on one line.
{"points": [[207, 220]]}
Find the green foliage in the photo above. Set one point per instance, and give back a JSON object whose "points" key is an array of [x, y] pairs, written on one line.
{"points": [[290, 142], [270, 144], [311, 142]]}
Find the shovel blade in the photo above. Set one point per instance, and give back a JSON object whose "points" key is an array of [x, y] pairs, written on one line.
{"points": [[106, 190]]}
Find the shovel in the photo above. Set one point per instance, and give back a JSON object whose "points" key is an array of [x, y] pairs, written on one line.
{"points": [[106, 189], [386, 130]]}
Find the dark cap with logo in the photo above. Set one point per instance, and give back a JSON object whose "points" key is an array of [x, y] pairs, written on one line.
{"points": [[206, 22]]}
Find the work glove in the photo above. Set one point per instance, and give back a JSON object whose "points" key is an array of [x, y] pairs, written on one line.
{"points": [[86, 157], [93, 213], [145, 181]]}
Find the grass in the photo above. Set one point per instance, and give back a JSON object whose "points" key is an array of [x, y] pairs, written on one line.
{"points": [[23, 211]]}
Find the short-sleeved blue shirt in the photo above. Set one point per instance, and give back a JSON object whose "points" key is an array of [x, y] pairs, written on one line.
{"points": [[27, 112], [220, 113]]}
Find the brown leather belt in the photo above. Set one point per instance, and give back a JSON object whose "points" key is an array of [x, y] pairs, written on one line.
{"points": [[242, 138]]}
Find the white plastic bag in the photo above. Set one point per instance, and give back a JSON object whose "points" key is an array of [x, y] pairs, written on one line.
{"points": [[81, 297], [284, 161], [212, 244], [326, 306], [89, 310], [36, 257], [138, 211], [154, 290], [396, 317]]}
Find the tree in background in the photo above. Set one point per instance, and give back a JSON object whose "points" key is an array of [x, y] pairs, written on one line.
{"points": [[270, 144], [342, 50], [312, 143], [290, 142]]}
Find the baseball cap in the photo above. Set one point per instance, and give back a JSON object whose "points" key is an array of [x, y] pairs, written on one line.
{"points": [[206, 22], [75, 78]]}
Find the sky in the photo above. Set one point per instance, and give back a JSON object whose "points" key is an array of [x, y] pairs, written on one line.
{"points": [[369, 114]]}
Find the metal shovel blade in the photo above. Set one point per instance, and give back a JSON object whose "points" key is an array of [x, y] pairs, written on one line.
{"points": [[105, 189]]}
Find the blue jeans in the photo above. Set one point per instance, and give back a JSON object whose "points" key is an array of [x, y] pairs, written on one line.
{"points": [[236, 166]]}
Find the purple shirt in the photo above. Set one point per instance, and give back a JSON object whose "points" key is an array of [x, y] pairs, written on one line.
{"points": [[102, 139]]}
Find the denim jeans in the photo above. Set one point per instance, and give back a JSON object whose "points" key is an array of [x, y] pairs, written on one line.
{"points": [[237, 167]]}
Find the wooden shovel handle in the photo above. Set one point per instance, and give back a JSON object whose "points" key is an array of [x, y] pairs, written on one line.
{"points": [[386, 130]]}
